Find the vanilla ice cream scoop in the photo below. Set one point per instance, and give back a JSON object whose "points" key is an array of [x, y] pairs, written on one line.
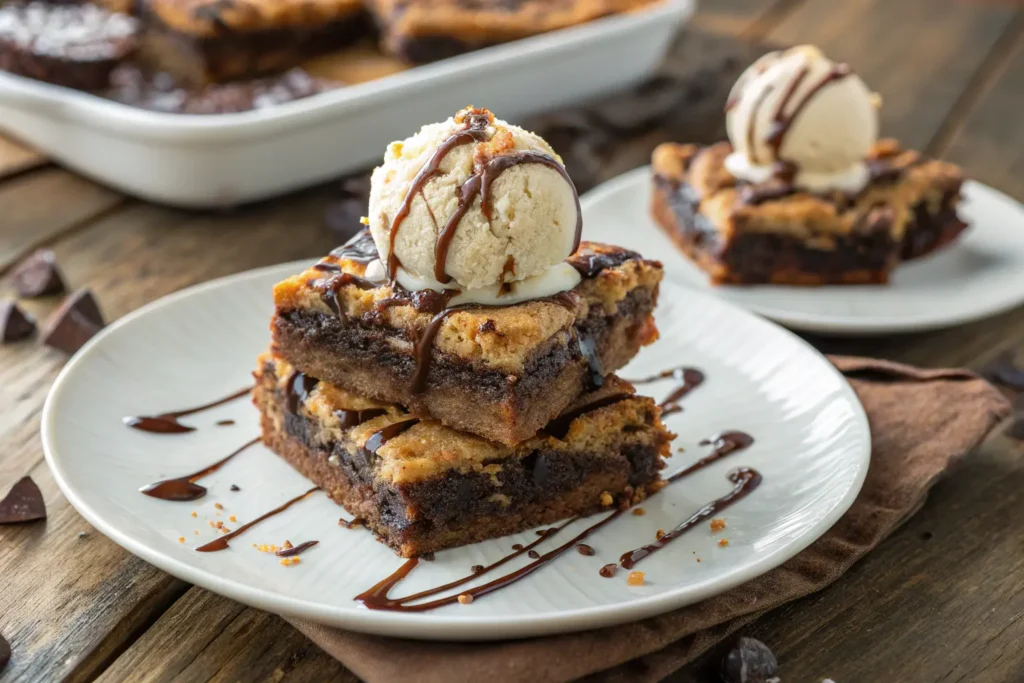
{"points": [[475, 204], [814, 116]]}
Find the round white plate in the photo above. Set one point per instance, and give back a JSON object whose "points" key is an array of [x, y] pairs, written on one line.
{"points": [[980, 275], [812, 446]]}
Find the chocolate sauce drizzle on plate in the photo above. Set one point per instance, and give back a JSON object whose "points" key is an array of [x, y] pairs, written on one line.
{"points": [[295, 550], [687, 378], [167, 423], [221, 543], [185, 488], [746, 480]]}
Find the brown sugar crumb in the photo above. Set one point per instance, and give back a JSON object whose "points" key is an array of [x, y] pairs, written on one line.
{"points": [[181, 539], [287, 561], [196, 532], [658, 534], [717, 524], [465, 599], [194, 514], [218, 525], [724, 542], [635, 579], [218, 506], [698, 559], [639, 512], [232, 518], [606, 499]]}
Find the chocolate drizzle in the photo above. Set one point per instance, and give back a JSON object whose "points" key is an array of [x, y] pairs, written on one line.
{"points": [[185, 488], [688, 379], [360, 249], [745, 480], [381, 437], [354, 418], [296, 550], [475, 130], [297, 390], [167, 423], [221, 543], [480, 183], [559, 427], [330, 288]]}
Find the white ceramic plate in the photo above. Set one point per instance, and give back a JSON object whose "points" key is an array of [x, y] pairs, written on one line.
{"points": [[227, 159], [812, 447], [980, 275]]}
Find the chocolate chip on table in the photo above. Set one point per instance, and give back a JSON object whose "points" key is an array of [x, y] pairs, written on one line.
{"points": [[15, 324], [23, 503], [1002, 370], [5, 652], [38, 275], [73, 324], [749, 661]]}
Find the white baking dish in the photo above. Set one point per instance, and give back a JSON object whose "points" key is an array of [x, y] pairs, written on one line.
{"points": [[221, 160]]}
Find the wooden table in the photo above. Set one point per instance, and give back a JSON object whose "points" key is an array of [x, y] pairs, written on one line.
{"points": [[942, 600]]}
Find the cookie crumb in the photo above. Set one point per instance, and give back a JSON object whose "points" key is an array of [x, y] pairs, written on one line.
{"points": [[717, 524], [639, 512], [724, 542], [232, 518], [218, 506], [194, 514], [181, 539], [658, 534], [287, 561], [465, 598], [606, 499], [635, 579]]}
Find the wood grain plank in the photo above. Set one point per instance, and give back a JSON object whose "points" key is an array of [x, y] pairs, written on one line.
{"points": [[70, 609], [990, 143], [38, 206], [16, 158], [919, 54]]}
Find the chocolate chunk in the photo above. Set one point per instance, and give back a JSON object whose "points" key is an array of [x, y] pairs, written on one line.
{"points": [[342, 217], [15, 324], [5, 652], [38, 275], [73, 324], [234, 487], [749, 661], [1004, 371], [24, 503]]}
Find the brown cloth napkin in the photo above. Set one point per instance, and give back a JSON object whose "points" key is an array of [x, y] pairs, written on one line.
{"points": [[922, 422]]}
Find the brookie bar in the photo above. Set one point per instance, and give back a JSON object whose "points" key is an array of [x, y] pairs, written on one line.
{"points": [[202, 41], [423, 487], [498, 371], [421, 31], [743, 233]]}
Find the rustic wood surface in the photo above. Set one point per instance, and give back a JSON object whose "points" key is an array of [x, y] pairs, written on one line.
{"points": [[940, 601]]}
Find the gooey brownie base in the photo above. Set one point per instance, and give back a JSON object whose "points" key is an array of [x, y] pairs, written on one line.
{"points": [[358, 356], [456, 509]]}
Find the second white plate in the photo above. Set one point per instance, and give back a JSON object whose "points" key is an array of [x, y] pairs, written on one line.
{"points": [[980, 275]]}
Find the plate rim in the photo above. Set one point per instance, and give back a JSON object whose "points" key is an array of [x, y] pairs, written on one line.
{"points": [[430, 626], [824, 323]]}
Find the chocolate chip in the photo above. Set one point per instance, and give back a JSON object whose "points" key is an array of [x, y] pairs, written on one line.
{"points": [[749, 661], [1004, 371], [73, 324], [15, 324], [234, 487], [342, 217], [24, 503], [38, 275], [5, 652]]}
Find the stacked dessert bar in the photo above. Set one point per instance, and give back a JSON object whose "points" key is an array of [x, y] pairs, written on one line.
{"points": [[446, 376]]}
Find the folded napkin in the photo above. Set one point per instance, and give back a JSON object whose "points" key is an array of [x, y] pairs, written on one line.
{"points": [[922, 422]]}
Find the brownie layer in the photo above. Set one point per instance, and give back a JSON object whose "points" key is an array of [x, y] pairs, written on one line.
{"points": [[198, 60], [553, 481], [863, 257], [362, 356], [931, 230]]}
